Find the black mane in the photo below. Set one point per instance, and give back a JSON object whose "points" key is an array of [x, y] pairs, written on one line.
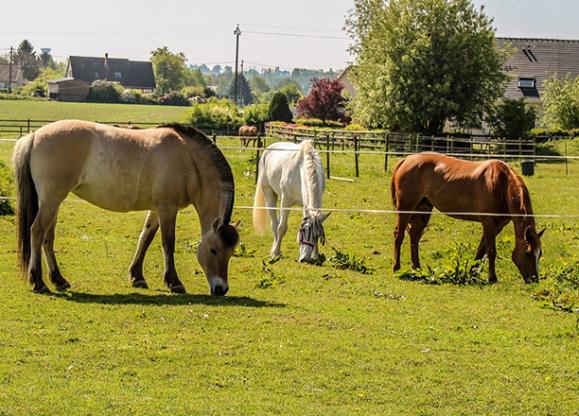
{"points": [[221, 164]]}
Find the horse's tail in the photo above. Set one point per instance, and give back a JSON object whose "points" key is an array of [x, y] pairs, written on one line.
{"points": [[27, 197], [393, 184], [259, 213]]}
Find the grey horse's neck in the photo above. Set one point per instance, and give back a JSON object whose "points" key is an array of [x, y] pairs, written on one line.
{"points": [[312, 181]]}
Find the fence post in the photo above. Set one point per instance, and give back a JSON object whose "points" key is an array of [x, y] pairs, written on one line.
{"points": [[356, 155], [566, 161], [328, 155], [416, 148], [214, 138], [386, 146], [257, 154], [28, 126], [432, 144]]}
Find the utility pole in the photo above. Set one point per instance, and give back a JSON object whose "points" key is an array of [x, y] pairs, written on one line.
{"points": [[10, 72], [237, 34]]}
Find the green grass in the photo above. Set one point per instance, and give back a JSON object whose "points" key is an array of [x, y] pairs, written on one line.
{"points": [[290, 338], [52, 110]]}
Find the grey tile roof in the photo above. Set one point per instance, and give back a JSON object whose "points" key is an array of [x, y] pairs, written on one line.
{"points": [[539, 59], [131, 74]]}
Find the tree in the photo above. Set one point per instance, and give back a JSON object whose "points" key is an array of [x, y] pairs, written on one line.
{"points": [[325, 101], [512, 120], [420, 63], [258, 85], [279, 109], [171, 73], [244, 90], [561, 102], [26, 58], [291, 89]]}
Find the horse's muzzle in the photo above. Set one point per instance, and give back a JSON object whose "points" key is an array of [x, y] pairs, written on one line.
{"points": [[219, 290]]}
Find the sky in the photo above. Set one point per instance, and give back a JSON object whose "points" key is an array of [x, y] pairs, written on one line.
{"points": [[288, 34]]}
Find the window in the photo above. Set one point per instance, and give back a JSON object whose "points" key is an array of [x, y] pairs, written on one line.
{"points": [[118, 75], [526, 83]]}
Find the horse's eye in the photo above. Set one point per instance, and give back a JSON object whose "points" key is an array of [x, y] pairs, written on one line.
{"points": [[213, 251]]}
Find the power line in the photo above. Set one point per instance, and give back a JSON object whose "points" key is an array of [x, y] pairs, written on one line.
{"points": [[309, 29], [296, 35]]}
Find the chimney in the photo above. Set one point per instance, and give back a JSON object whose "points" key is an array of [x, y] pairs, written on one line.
{"points": [[107, 69]]}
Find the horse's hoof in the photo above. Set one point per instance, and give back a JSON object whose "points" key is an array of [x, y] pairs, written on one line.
{"points": [[140, 284], [41, 290], [62, 286], [493, 280], [180, 289]]}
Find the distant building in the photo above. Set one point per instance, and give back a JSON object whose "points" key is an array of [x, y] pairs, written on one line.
{"points": [[533, 61], [15, 80], [82, 71]]}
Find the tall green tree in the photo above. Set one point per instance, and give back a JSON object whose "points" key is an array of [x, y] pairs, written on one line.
{"points": [[561, 102], [170, 68], [245, 93], [420, 63], [26, 57], [279, 109]]}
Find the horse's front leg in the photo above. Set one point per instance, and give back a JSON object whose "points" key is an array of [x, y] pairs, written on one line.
{"points": [[147, 235], [482, 249], [282, 226], [489, 237], [167, 219]]}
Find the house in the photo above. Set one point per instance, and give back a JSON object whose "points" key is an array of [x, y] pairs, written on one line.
{"points": [[82, 71], [536, 60], [10, 76], [533, 61]]}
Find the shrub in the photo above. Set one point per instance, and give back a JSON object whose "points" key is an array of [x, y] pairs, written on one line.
{"points": [[561, 292], [131, 97], [316, 122], [194, 91], [279, 109], [256, 114], [512, 120], [216, 114], [349, 261], [102, 91], [174, 98], [6, 189], [325, 101]]}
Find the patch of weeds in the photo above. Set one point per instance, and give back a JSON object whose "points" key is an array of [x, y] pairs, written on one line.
{"points": [[388, 296], [320, 260], [561, 292], [6, 186], [192, 246], [458, 271], [349, 261], [269, 278], [243, 251]]}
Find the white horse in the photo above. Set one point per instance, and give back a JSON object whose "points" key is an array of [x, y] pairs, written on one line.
{"points": [[294, 174]]}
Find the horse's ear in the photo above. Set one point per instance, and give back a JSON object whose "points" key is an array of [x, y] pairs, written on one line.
{"points": [[529, 234], [216, 224], [236, 224], [325, 216], [541, 233]]}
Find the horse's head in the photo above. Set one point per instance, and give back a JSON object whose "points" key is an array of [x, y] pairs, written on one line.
{"points": [[216, 248], [311, 231], [527, 254]]}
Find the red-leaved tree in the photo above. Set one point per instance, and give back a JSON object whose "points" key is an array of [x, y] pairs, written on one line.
{"points": [[325, 101]]}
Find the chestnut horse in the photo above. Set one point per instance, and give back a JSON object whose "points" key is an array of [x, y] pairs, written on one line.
{"points": [[247, 134], [161, 170], [455, 187]]}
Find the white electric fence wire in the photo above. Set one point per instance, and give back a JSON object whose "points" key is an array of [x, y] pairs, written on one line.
{"points": [[391, 153]]}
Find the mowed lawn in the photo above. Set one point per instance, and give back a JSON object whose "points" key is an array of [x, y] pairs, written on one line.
{"points": [[291, 338], [53, 110]]}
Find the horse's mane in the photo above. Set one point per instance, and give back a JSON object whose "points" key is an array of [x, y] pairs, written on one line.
{"points": [[518, 198], [219, 161], [314, 171]]}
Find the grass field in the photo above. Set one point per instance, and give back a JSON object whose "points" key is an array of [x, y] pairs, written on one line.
{"points": [[291, 339]]}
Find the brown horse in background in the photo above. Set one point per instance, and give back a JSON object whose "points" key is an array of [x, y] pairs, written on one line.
{"points": [[160, 170], [247, 134], [455, 187]]}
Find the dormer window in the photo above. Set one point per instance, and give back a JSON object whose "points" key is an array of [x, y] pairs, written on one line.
{"points": [[526, 83], [118, 75]]}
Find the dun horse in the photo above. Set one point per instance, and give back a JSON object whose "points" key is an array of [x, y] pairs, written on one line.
{"points": [[423, 181], [294, 174], [161, 170], [247, 134]]}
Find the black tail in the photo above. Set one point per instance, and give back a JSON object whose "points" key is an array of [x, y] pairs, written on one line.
{"points": [[27, 198]]}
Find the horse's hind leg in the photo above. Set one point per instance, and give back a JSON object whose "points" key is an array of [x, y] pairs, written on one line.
{"points": [[56, 278], [418, 223], [45, 219], [402, 221], [147, 235]]}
